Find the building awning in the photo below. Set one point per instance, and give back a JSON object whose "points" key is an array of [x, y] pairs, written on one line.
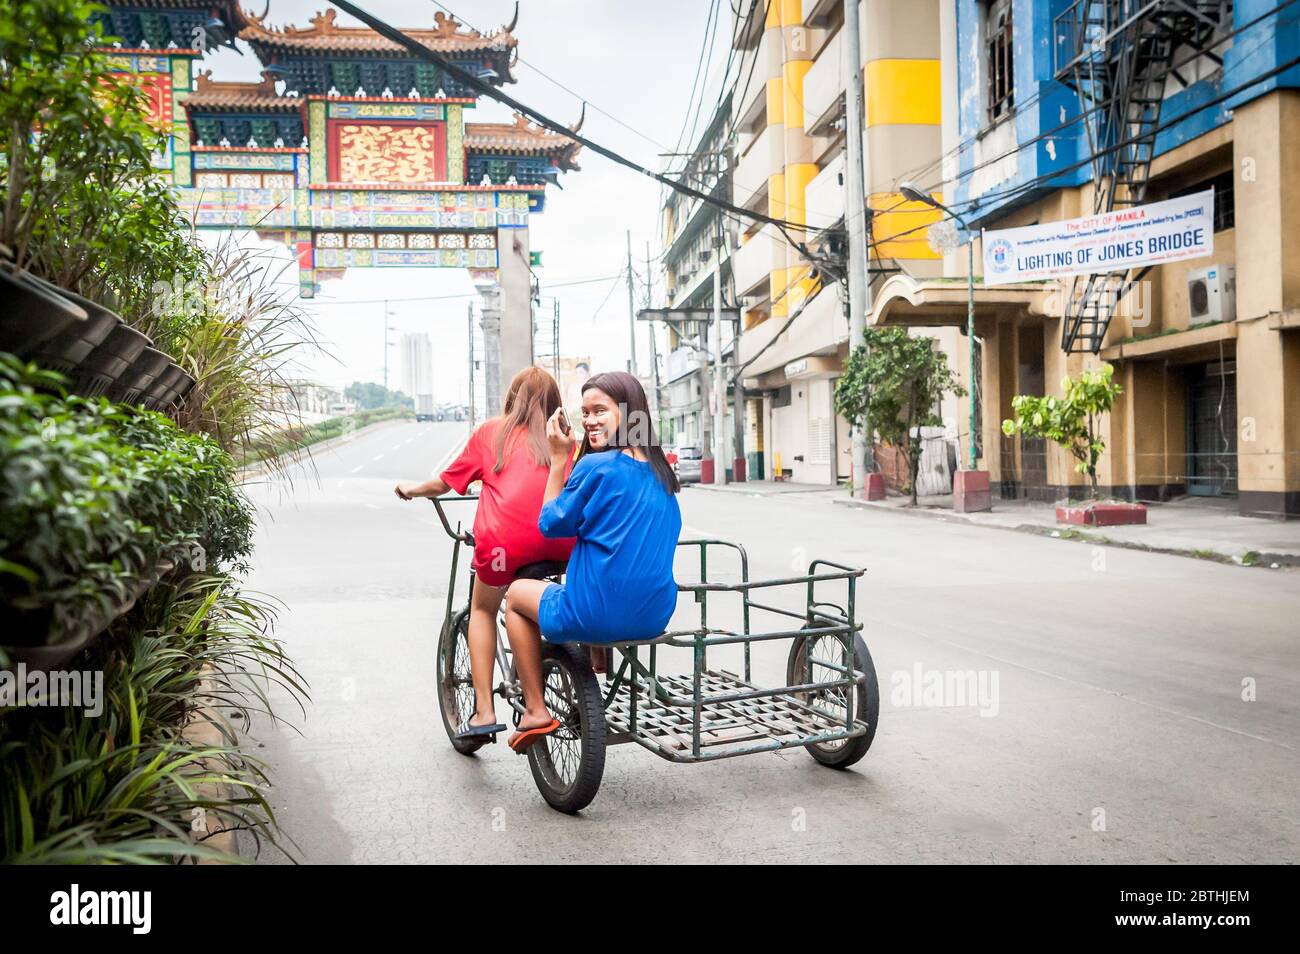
{"points": [[1285, 320], [1194, 344], [819, 328], [942, 302]]}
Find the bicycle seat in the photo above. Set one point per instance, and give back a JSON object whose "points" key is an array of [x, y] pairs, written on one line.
{"points": [[541, 570]]}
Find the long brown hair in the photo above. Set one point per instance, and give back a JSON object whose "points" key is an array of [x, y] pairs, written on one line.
{"points": [[531, 400], [635, 424]]}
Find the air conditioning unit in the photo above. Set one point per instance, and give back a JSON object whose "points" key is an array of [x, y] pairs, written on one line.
{"points": [[1212, 294]]}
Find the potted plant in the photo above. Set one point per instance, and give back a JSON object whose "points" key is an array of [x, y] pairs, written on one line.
{"points": [[70, 347], [156, 396], [131, 387], [31, 314], [46, 51], [108, 362], [891, 386], [1073, 421], [81, 205]]}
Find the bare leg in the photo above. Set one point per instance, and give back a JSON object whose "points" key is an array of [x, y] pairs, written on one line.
{"points": [[526, 645], [482, 648]]}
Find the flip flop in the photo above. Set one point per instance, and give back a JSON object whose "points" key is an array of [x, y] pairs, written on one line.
{"points": [[527, 737], [467, 731]]}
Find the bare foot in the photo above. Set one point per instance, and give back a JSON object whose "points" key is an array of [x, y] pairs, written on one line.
{"points": [[532, 720], [599, 658], [489, 718]]}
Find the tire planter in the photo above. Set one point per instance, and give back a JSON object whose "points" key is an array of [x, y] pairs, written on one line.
{"points": [[30, 314], [108, 362], [66, 350], [183, 387], [168, 378], [35, 653], [131, 387]]}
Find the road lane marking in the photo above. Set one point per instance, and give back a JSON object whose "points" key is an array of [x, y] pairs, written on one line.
{"points": [[377, 457], [357, 468]]}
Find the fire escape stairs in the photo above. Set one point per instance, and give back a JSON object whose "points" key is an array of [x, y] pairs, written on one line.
{"points": [[1119, 55]]}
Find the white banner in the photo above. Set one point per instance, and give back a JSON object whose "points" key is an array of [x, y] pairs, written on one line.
{"points": [[1112, 242]]}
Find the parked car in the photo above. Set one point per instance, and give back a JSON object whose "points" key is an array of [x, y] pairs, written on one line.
{"points": [[687, 464]]}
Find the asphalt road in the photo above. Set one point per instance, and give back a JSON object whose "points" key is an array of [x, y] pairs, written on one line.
{"points": [[1136, 707]]}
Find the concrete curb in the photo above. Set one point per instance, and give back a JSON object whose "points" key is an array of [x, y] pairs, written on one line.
{"points": [[262, 467], [754, 492], [201, 730], [1262, 559]]}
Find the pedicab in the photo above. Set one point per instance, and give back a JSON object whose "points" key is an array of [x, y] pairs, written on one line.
{"points": [[828, 706]]}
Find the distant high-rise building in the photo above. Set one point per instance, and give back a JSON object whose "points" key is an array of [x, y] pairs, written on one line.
{"points": [[415, 365]]}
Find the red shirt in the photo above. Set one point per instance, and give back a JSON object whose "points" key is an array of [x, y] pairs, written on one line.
{"points": [[505, 526]]}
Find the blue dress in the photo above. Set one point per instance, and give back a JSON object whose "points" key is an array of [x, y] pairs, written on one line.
{"points": [[619, 585]]}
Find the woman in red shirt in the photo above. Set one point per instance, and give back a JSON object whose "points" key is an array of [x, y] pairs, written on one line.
{"points": [[511, 456]]}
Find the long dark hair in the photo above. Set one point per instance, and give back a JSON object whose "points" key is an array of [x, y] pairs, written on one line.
{"points": [[635, 424]]}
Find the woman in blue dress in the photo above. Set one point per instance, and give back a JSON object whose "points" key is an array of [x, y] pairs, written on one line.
{"points": [[620, 503]]}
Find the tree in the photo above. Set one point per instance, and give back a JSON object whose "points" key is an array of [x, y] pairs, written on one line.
{"points": [[1073, 421], [891, 386], [368, 395]]}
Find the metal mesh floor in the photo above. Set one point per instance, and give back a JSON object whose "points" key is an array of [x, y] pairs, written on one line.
{"points": [[726, 728]]}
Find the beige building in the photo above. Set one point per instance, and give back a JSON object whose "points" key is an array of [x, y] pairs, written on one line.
{"points": [[790, 165], [1207, 351]]}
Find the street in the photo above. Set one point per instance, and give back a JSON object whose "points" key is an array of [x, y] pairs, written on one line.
{"points": [[1134, 707]]}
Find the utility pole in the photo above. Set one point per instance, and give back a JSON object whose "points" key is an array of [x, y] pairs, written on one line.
{"points": [[631, 310], [702, 359], [738, 463], [555, 338], [470, 339], [855, 215], [719, 381], [385, 345], [654, 354]]}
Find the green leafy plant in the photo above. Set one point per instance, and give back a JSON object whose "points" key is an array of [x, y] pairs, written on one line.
{"points": [[83, 205], [367, 395], [128, 786], [240, 334], [1073, 420], [891, 386], [296, 439], [94, 498]]}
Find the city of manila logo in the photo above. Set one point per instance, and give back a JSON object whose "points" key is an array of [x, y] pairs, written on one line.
{"points": [[1000, 255]]}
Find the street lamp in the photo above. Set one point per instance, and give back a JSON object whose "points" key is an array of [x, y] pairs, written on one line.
{"points": [[387, 328], [913, 193]]}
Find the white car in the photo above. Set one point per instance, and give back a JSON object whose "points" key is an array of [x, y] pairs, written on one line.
{"points": [[687, 464]]}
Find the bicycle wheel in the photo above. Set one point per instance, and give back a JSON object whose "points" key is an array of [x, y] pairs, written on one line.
{"points": [[864, 700], [455, 684], [568, 764]]}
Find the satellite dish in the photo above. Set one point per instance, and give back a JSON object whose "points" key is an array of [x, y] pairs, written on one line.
{"points": [[942, 237]]}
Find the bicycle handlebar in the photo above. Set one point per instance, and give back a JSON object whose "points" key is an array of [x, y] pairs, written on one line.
{"points": [[459, 535]]}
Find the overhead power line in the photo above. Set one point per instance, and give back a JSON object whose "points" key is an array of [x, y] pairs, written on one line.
{"points": [[484, 88]]}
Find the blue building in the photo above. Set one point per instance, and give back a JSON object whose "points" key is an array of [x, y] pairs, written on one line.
{"points": [[1055, 109]]}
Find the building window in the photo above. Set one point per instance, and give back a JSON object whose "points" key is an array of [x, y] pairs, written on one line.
{"points": [[1225, 215], [998, 60]]}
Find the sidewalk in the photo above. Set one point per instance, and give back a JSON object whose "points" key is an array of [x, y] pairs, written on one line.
{"points": [[1205, 529], [768, 488]]}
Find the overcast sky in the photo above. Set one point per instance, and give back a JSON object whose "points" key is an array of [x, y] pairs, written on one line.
{"points": [[635, 61]]}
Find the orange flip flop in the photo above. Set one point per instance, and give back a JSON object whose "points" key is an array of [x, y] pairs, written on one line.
{"points": [[527, 737]]}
